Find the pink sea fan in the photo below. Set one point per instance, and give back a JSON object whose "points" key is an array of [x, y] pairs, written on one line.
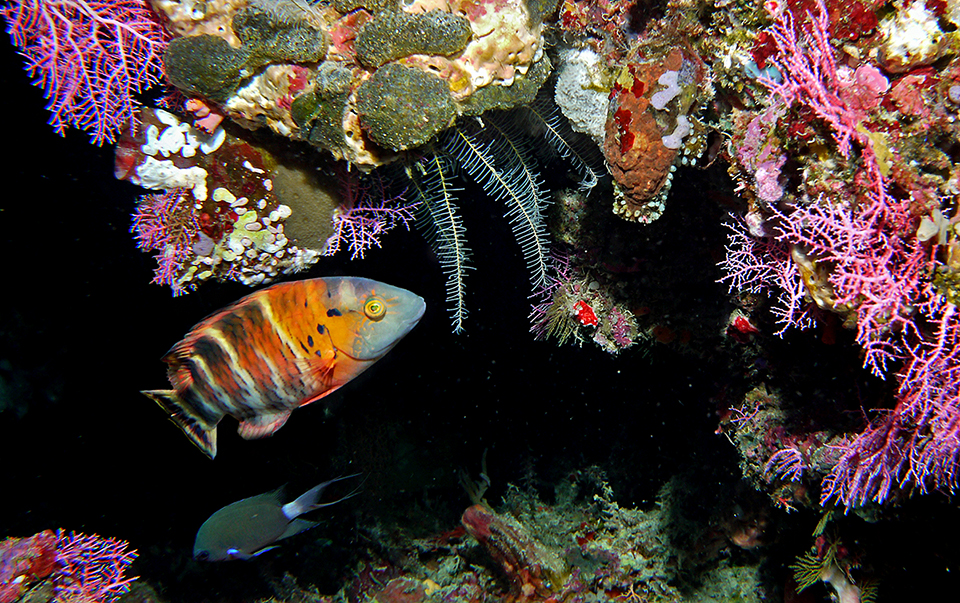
{"points": [[90, 57], [917, 444], [91, 568], [787, 463], [764, 265], [366, 213], [166, 223], [806, 62], [879, 266]]}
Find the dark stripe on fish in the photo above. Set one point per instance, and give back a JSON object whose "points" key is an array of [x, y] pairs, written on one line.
{"points": [[203, 398], [254, 339], [198, 407]]}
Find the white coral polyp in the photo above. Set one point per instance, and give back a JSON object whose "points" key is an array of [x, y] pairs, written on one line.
{"points": [[912, 37], [502, 45]]}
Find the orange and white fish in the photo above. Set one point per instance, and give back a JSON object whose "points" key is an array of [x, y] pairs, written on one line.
{"points": [[278, 349]]}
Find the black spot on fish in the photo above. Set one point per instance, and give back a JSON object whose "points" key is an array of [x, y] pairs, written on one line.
{"points": [[333, 312], [321, 329], [310, 340]]}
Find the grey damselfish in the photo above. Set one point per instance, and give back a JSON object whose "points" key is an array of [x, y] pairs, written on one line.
{"points": [[252, 526]]}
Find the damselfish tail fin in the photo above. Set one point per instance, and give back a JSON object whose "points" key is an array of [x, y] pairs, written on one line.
{"points": [[308, 501], [168, 399]]}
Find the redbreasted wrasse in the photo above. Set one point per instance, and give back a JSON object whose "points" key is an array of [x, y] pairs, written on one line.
{"points": [[278, 349], [252, 526]]}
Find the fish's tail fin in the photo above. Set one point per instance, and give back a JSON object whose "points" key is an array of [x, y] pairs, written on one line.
{"points": [[203, 438], [307, 501]]}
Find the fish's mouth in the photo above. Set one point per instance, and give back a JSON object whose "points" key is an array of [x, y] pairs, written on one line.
{"points": [[421, 310]]}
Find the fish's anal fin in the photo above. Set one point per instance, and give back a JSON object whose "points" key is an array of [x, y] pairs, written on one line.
{"points": [[262, 425], [203, 438], [296, 526]]}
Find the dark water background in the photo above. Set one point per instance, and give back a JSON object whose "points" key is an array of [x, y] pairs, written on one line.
{"points": [[82, 332]]}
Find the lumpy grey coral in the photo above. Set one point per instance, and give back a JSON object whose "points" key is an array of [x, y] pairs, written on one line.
{"points": [[208, 66], [396, 34], [403, 107], [319, 113]]}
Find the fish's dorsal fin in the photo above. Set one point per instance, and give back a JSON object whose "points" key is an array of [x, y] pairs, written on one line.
{"points": [[262, 425], [203, 438], [278, 494]]}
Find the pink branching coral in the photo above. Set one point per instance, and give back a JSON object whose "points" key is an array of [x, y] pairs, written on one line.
{"points": [[84, 569], [763, 264], [787, 463], [167, 224], [861, 243], [810, 78], [918, 442], [809, 69], [878, 267], [364, 215], [90, 57], [878, 262], [91, 568]]}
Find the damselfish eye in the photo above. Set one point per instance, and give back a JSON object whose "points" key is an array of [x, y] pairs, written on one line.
{"points": [[374, 309]]}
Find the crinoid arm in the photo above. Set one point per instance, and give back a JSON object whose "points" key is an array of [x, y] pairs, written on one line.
{"points": [[545, 118], [439, 217], [502, 170]]}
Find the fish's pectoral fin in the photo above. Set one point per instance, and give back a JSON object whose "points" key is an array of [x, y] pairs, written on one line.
{"points": [[296, 526], [203, 437], [262, 425], [318, 367]]}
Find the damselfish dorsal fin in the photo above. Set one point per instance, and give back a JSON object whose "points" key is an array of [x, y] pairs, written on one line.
{"points": [[203, 438]]}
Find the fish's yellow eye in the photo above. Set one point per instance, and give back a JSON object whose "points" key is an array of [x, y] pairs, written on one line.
{"points": [[374, 309]]}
